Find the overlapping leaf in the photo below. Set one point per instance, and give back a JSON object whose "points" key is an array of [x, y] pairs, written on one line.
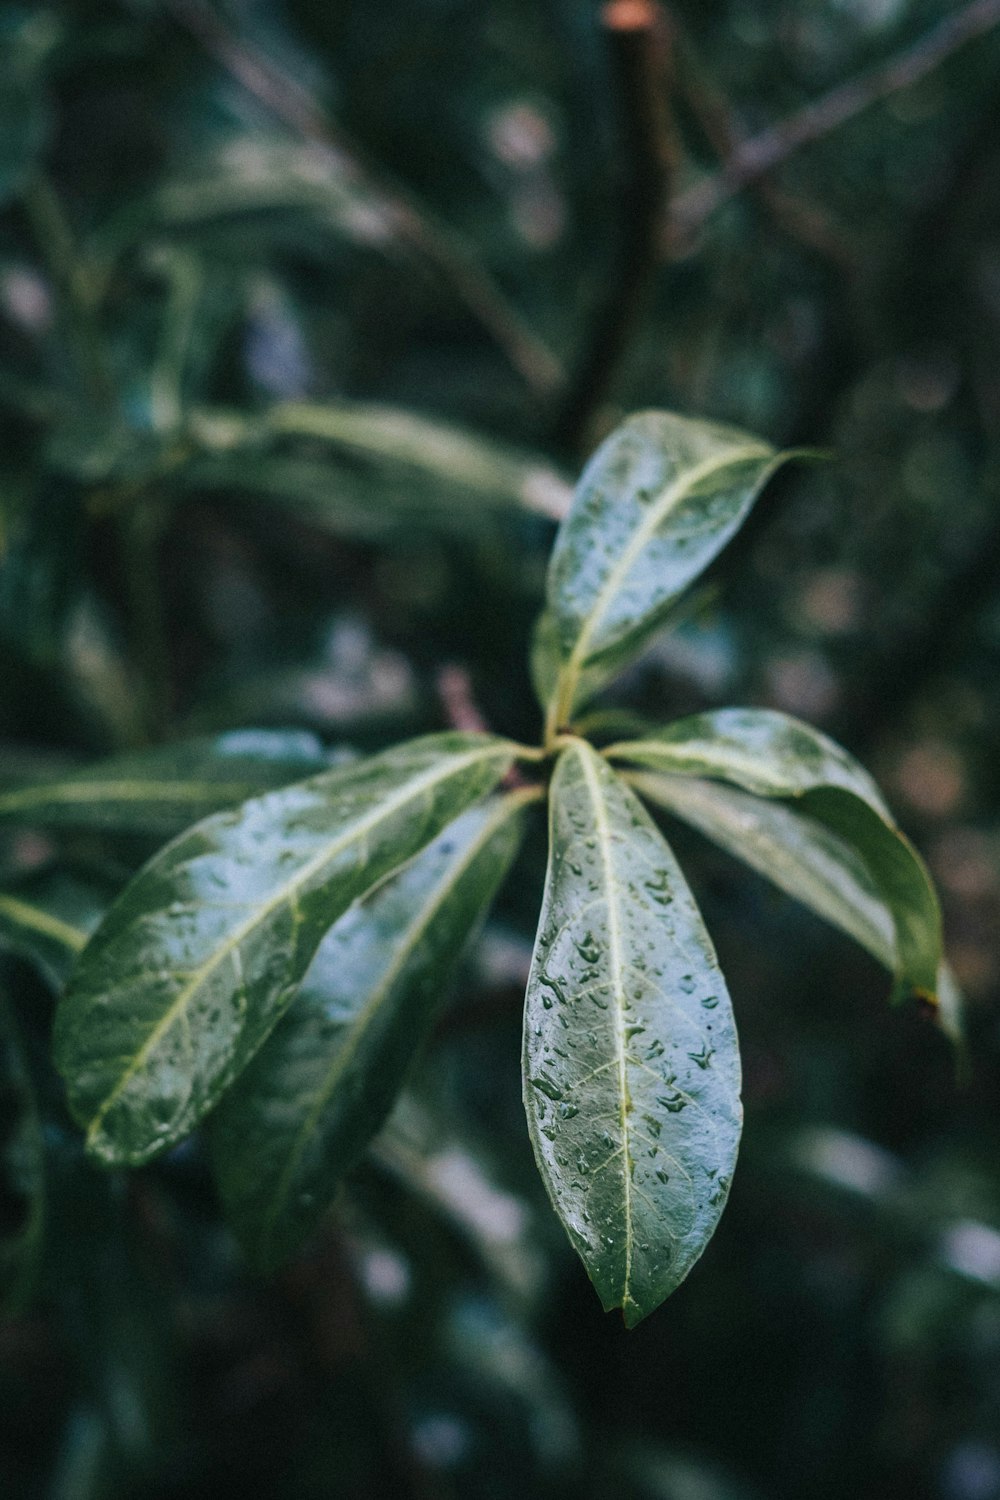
{"points": [[656, 503], [198, 959], [773, 756], [303, 1111], [164, 790], [631, 1063]]}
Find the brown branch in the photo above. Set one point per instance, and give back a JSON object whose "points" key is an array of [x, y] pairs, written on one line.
{"points": [[641, 48], [291, 103], [759, 154], [804, 221]]}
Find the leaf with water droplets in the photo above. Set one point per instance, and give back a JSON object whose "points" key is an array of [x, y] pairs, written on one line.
{"points": [[774, 756], [164, 790], [198, 959], [631, 1065], [324, 1081], [659, 499]]}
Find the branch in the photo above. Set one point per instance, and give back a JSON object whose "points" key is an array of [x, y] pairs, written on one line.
{"points": [[288, 101], [641, 47], [804, 221], [759, 154]]}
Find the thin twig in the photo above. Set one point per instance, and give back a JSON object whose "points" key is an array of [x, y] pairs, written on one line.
{"points": [[759, 154], [454, 686], [291, 103], [804, 221], [641, 48]]}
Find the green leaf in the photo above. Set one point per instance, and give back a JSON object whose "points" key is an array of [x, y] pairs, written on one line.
{"points": [[657, 502], [802, 857], [47, 918], [631, 1065], [342, 454], [164, 790], [198, 959], [323, 1083], [772, 755]]}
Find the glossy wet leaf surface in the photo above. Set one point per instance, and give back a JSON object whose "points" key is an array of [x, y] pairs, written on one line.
{"points": [[164, 790], [772, 755], [324, 1081], [660, 498], [198, 959], [802, 857], [631, 1065]]}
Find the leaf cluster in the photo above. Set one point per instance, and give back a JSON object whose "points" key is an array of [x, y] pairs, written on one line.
{"points": [[271, 972]]}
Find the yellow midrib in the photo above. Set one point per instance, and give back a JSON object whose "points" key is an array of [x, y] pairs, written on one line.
{"points": [[44, 923], [615, 963], [357, 830]]}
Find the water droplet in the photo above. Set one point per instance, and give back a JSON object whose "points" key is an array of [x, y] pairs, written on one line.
{"points": [[658, 886], [547, 1086], [704, 1057], [588, 948], [710, 1002], [567, 1110], [673, 1102], [663, 1176]]}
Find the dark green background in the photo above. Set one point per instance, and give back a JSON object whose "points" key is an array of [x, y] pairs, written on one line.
{"points": [[841, 1335]]}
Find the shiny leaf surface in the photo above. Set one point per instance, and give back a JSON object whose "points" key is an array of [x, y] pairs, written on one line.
{"points": [[631, 1065], [801, 856], [164, 790], [772, 755], [659, 499], [198, 959], [323, 1083]]}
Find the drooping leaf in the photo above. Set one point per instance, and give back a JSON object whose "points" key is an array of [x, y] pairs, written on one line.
{"points": [[164, 790], [198, 959], [772, 755], [369, 471], [659, 499], [48, 917], [804, 858], [631, 1065], [324, 1081]]}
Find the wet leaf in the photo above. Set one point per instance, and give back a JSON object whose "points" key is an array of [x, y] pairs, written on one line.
{"points": [[772, 755], [631, 1065], [164, 790], [323, 1083], [659, 499], [200, 956]]}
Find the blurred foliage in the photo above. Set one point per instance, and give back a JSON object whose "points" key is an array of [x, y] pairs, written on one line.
{"points": [[291, 299]]}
